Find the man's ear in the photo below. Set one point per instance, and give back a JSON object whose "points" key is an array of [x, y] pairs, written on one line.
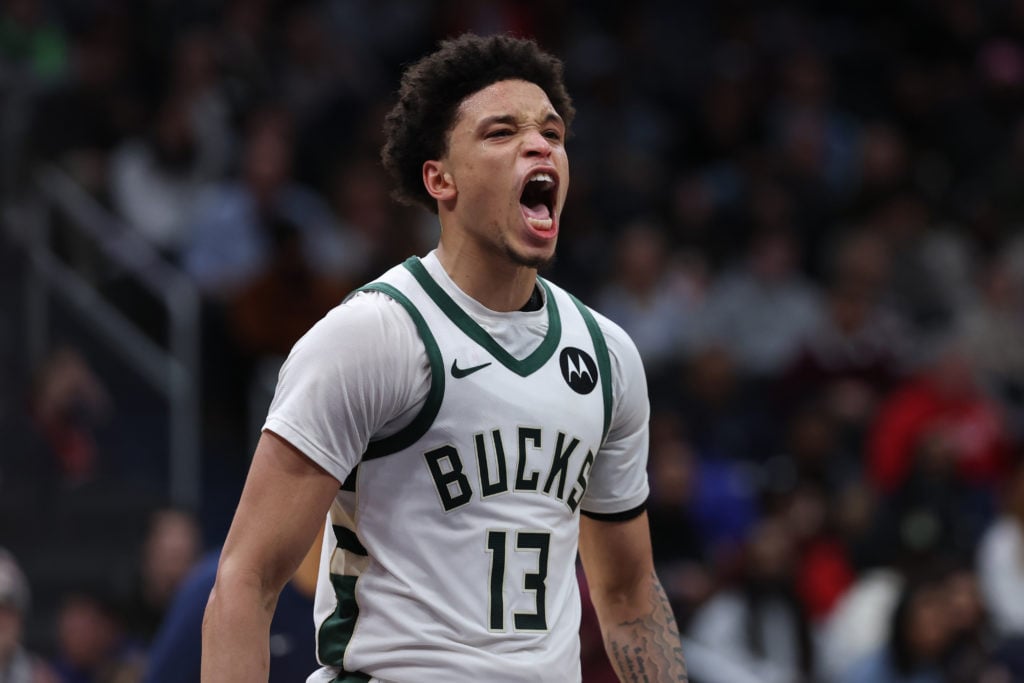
{"points": [[439, 183]]}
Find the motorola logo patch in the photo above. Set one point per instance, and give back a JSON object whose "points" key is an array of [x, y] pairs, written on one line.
{"points": [[578, 370]]}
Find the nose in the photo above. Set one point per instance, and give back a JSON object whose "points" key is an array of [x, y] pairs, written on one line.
{"points": [[535, 144]]}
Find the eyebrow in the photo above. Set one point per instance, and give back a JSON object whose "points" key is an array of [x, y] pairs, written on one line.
{"points": [[508, 119]]}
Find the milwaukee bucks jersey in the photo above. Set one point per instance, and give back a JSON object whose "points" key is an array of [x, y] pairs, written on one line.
{"points": [[451, 545]]}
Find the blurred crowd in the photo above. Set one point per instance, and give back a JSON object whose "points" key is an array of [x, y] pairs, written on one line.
{"points": [[807, 215]]}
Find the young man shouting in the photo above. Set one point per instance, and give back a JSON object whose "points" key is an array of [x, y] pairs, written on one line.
{"points": [[465, 426]]}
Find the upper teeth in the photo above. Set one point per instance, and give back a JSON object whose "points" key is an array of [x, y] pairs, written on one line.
{"points": [[541, 178]]}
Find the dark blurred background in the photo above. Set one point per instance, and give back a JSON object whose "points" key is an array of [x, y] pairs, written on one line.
{"points": [[808, 216]]}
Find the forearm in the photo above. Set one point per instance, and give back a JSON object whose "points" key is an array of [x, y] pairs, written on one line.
{"points": [[283, 505], [643, 644], [236, 632]]}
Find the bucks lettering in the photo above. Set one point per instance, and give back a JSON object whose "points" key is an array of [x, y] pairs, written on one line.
{"points": [[497, 475]]}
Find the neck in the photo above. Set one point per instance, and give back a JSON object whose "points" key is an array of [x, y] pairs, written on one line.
{"points": [[496, 282]]}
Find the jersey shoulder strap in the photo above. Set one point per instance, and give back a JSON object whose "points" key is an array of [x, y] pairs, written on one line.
{"points": [[409, 434], [604, 365]]}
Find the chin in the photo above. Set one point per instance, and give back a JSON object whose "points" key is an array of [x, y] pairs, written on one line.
{"points": [[538, 260]]}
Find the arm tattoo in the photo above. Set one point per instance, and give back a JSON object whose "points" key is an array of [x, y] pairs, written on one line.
{"points": [[648, 649]]}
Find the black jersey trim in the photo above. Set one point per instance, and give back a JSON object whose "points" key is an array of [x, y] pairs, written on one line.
{"points": [[350, 481], [409, 434], [624, 516], [347, 540], [604, 365], [351, 677], [525, 367]]}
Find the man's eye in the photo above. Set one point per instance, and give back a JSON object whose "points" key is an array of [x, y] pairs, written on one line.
{"points": [[553, 135], [500, 133]]}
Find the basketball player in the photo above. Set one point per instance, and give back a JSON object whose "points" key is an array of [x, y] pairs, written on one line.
{"points": [[464, 424]]}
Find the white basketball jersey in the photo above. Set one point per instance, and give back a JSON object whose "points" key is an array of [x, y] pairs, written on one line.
{"points": [[451, 547]]}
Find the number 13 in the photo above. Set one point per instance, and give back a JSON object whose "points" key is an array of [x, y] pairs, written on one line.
{"points": [[526, 541]]}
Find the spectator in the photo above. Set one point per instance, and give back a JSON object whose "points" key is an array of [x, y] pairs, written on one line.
{"points": [[243, 37], [760, 623], [169, 551], [724, 411], [651, 298], [195, 77], [232, 233], [762, 309], [269, 314], [17, 664], [934, 510], [918, 638], [91, 643], [175, 653], [970, 654], [683, 561], [805, 485], [106, 108], [270, 258], [69, 403], [812, 453], [941, 413], [932, 281], [858, 350], [157, 179], [993, 332], [860, 622], [1001, 560], [360, 196], [814, 142], [311, 75], [883, 164]]}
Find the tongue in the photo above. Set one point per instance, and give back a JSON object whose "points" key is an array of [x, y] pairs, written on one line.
{"points": [[539, 210]]}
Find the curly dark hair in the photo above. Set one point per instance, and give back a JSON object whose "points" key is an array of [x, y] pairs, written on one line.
{"points": [[417, 127]]}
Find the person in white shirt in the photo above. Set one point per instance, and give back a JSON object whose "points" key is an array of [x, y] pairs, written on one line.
{"points": [[465, 425]]}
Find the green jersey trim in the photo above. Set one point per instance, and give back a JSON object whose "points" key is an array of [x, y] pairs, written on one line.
{"points": [[525, 367], [336, 631], [604, 365], [411, 433]]}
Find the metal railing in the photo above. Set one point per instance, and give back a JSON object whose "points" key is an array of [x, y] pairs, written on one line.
{"points": [[172, 371]]}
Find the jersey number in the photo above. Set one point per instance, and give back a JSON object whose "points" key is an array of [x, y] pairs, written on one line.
{"points": [[526, 541]]}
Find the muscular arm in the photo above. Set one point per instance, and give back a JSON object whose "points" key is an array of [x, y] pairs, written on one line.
{"points": [[639, 630], [283, 504]]}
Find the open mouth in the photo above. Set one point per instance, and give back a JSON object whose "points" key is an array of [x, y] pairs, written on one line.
{"points": [[538, 200]]}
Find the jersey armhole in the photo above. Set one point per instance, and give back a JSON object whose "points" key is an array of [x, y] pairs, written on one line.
{"points": [[421, 423]]}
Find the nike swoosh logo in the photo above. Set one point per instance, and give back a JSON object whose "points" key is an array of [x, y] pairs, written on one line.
{"points": [[459, 373]]}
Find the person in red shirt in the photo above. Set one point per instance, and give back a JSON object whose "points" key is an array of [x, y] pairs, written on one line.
{"points": [[938, 420]]}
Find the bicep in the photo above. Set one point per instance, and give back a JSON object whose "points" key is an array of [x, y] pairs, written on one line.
{"points": [[285, 500]]}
